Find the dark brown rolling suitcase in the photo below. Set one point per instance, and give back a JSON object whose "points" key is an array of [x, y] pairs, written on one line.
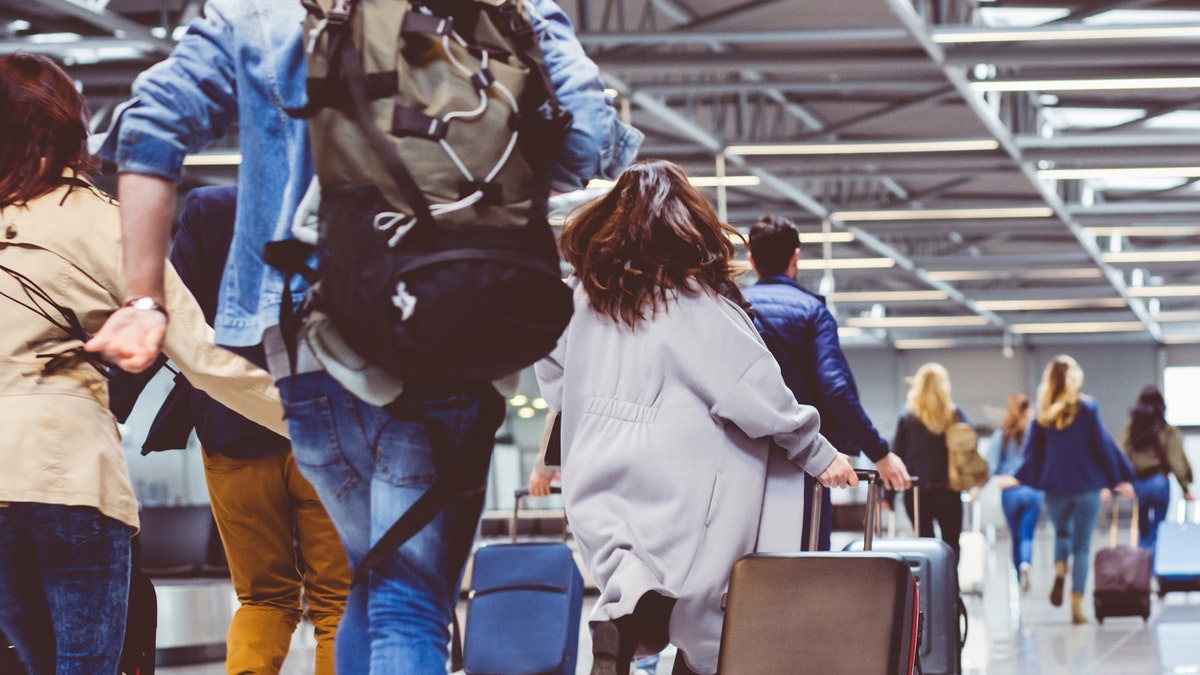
{"points": [[1123, 574], [822, 613]]}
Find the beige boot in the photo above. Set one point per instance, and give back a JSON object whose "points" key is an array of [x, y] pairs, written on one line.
{"points": [[1060, 579], [1077, 615]]}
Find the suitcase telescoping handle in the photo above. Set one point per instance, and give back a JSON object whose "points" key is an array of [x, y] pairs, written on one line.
{"points": [[915, 516], [814, 530], [522, 493], [1133, 524]]}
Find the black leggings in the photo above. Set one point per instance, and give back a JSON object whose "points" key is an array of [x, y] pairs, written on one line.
{"points": [[944, 506]]}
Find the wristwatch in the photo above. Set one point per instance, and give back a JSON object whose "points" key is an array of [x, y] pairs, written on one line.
{"points": [[146, 304]]}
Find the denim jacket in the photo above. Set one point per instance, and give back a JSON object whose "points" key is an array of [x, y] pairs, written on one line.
{"points": [[244, 59]]}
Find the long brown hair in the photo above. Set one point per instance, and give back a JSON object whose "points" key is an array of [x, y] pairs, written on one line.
{"points": [[1016, 419], [1058, 395], [929, 398], [652, 235], [44, 123]]}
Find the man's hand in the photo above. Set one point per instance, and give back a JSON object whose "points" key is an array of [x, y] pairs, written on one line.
{"points": [[1124, 490], [131, 338], [840, 474], [893, 472]]}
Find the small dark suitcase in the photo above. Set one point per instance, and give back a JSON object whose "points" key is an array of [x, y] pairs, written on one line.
{"points": [[525, 607], [935, 568], [1122, 574], [1177, 553], [141, 622], [826, 613]]}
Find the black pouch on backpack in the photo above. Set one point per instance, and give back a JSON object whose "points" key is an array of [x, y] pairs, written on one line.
{"points": [[448, 304]]}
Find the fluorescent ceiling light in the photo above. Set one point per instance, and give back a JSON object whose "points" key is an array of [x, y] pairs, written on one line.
{"points": [[981, 275], [214, 159], [1078, 327], [917, 321], [1145, 231], [1164, 291], [845, 264], [1151, 256], [1132, 172], [865, 148], [1106, 84], [888, 296], [820, 237], [1176, 317], [849, 331], [946, 214], [1085, 33], [928, 343], [697, 181], [1181, 339], [1038, 305]]}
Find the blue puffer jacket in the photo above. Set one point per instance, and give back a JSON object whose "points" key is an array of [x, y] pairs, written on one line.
{"points": [[803, 336]]}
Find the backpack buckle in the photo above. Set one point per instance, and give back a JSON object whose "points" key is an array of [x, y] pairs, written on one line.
{"points": [[339, 12], [519, 28]]}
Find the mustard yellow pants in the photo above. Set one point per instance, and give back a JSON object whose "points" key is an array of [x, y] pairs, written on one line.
{"points": [[279, 542]]}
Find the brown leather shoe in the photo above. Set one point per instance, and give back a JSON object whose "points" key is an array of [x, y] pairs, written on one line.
{"points": [[606, 647]]}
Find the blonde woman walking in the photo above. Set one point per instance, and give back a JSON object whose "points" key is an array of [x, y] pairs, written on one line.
{"points": [[1071, 457], [921, 442]]}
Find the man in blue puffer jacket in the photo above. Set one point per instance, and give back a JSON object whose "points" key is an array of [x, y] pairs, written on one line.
{"points": [[803, 337]]}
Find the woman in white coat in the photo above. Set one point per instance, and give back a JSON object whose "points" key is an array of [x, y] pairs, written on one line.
{"points": [[669, 404]]}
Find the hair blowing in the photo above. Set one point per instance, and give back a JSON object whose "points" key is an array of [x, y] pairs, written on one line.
{"points": [[1147, 418], [45, 128], [1015, 419], [651, 236], [1058, 395]]}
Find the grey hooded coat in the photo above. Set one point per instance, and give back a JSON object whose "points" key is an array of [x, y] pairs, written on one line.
{"points": [[666, 429]]}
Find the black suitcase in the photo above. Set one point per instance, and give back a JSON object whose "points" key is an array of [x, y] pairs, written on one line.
{"points": [[935, 568], [141, 623], [821, 613], [1122, 574]]}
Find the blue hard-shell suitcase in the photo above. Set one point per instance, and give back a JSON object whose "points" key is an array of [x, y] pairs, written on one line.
{"points": [[1177, 554], [524, 611]]}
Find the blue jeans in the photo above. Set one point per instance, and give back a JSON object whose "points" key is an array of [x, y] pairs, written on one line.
{"points": [[1074, 517], [64, 587], [1022, 506], [1153, 493], [368, 468]]}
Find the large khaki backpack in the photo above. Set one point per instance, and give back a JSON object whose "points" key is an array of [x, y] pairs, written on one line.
{"points": [[966, 467], [434, 127]]}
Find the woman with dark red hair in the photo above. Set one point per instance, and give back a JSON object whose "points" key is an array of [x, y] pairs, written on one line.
{"points": [[670, 406], [67, 508]]}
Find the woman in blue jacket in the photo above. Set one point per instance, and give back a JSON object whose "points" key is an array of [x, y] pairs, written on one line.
{"points": [[1070, 456], [1022, 504]]}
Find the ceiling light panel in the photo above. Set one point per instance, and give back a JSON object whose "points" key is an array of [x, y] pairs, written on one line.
{"points": [[1152, 256], [846, 264], [917, 321], [1165, 291], [1083, 32], [855, 148], [1050, 305], [1103, 84], [1128, 172], [945, 214], [984, 275], [1077, 327], [888, 296]]}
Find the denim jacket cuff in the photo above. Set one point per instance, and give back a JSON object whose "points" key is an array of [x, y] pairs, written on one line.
{"points": [[621, 149], [140, 152]]}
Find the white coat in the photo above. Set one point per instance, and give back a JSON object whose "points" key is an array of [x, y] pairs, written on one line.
{"points": [[665, 432]]}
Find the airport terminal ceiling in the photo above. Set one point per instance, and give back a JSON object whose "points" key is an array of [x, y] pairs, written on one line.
{"points": [[966, 173]]}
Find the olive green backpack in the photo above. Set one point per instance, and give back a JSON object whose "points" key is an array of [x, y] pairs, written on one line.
{"points": [[433, 127]]}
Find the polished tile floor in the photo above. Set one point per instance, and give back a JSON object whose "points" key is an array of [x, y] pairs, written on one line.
{"points": [[1010, 633]]}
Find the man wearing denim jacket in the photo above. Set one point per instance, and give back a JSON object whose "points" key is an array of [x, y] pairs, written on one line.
{"points": [[243, 61]]}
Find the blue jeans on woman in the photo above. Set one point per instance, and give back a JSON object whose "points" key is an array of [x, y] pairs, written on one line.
{"points": [[1022, 506], [1153, 493], [1074, 517], [64, 587], [368, 468]]}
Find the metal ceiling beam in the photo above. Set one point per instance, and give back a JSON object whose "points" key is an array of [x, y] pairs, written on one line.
{"points": [[906, 63], [904, 11], [839, 37], [1067, 55], [1123, 209], [107, 21], [688, 128], [1182, 139], [737, 88]]}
